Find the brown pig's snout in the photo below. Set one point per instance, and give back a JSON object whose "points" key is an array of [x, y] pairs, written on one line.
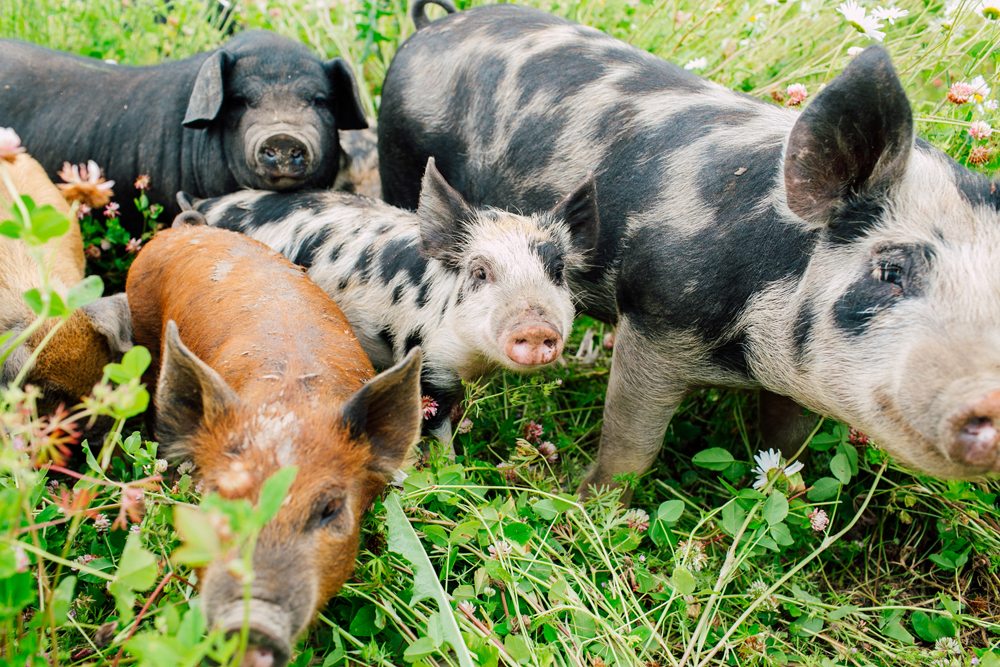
{"points": [[533, 343], [975, 431], [269, 643]]}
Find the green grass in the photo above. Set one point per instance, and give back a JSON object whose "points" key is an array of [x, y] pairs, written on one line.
{"points": [[722, 575]]}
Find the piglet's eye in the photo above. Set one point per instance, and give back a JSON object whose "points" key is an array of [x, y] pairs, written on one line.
{"points": [[889, 273], [319, 101], [331, 511], [479, 273]]}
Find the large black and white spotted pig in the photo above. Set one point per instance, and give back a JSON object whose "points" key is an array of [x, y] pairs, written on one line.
{"points": [[826, 256], [476, 289]]}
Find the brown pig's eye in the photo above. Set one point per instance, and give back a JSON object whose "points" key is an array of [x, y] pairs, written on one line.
{"points": [[479, 273], [331, 511]]}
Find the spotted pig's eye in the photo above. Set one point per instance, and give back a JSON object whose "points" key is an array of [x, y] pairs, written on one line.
{"points": [[479, 273], [889, 273]]}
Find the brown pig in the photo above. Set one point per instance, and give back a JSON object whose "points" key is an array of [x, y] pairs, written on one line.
{"points": [[269, 375], [73, 360]]}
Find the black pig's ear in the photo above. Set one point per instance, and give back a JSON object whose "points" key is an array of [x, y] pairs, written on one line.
{"points": [[206, 98], [442, 213], [386, 411], [579, 211], [189, 393], [346, 103], [855, 139]]}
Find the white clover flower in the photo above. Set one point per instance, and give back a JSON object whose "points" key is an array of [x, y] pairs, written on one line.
{"points": [[770, 462], [948, 645], [855, 50], [10, 144], [185, 467], [697, 64], [889, 14], [980, 130], [102, 523], [160, 466], [691, 554], [856, 15], [501, 548], [135, 529], [757, 589]]}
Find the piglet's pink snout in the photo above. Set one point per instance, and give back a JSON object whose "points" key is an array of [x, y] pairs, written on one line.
{"points": [[976, 430], [533, 344]]}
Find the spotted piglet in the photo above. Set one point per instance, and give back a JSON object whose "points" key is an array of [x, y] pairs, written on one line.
{"points": [[476, 289]]}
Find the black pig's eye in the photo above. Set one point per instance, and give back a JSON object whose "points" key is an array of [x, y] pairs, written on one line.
{"points": [[319, 101], [479, 273], [889, 273], [331, 511]]}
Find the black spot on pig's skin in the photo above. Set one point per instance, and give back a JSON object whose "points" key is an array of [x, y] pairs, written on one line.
{"points": [[361, 267], [232, 218], [656, 76], [412, 341], [732, 355], [401, 255], [387, 337], [552, 259], [868, 296], [424, 295], [397, 294], [276, 207], [854, 219], [804, 320], [560, 73], [307, 250]]}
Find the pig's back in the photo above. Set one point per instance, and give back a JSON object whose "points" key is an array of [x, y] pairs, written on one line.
{"points": [[245, 310]]}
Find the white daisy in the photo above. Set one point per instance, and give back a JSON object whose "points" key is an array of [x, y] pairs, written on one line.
{"points": [[697, 64], [889, 14], [980, 91], [990, 9], [856, 15], [771, 461]]}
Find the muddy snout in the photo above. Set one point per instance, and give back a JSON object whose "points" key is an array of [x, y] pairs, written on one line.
{"points": [[283, 160], [533, 344], [975, 431], [269, 643]]}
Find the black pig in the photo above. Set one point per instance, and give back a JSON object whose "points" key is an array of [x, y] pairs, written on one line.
{"points": [[260, 112], [830, 257]]}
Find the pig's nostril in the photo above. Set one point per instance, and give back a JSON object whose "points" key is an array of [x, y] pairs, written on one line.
{"points": [[978, 437], [258, 656], [549, 343]]}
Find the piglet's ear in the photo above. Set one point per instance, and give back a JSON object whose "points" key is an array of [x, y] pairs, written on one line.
{"points": [[206, 98], [346, 103], [855, 139], [387, 411], [111, 317], [579, 210], [189, 392], [442, 213]]}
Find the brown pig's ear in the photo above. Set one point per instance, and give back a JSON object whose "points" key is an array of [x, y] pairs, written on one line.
{"points": [[110, 317], [387, 411], [189, 392]]}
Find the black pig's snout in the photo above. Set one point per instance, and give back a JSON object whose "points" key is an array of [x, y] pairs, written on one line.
{"points": [[283, 157]]}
